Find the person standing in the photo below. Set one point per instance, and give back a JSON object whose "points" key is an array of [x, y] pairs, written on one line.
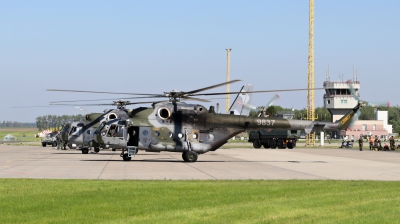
{"points": [[360, 142], [391, 141], [371, 142]]}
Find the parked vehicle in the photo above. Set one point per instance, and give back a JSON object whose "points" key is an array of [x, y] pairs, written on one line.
{"points": [[273, 139], [49, 139]]}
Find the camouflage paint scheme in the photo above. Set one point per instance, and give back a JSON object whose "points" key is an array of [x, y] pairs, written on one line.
{"points": [[181, 127]]}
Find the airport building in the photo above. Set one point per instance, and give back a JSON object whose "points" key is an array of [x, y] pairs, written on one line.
{"points": [[339, 100]]}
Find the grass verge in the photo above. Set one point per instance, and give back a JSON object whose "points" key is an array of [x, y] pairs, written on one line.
{"points": [[103, 201], [25, 136]]}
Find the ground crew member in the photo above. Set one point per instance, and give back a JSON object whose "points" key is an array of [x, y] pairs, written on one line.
{"points": [[360, 142], [391, 141], [376, 143], [371, 142]]}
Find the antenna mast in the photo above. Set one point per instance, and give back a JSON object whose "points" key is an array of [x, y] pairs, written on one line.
{"points": [[310, 138], [228, 78]]}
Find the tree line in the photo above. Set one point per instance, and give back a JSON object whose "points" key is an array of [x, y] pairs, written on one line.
{"points": [[322, 114], [55, 122], [16, 124]]}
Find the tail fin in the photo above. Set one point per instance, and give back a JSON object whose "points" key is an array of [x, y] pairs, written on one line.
{"points": [[241, 105], [347, 119]]}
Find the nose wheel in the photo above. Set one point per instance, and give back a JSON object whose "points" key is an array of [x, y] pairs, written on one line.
{"points": [[189, 156]]}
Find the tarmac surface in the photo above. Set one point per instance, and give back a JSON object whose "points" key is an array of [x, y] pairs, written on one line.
{"points": [[223, 164]]}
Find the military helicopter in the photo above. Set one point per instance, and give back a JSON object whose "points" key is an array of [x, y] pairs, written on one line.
{"points": [[190, 129], [81, 133]]}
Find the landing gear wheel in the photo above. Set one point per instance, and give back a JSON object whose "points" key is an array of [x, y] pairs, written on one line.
{"points": [[85, 150], [44, 144], [190, 156], [125, 157], [272, 143], [257, 144], [97, 149]]}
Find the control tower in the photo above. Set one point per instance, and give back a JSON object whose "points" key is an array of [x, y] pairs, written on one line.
{"points": [[338, 99]]}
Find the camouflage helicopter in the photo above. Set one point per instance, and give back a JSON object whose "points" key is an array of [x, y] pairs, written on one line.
{"points": [[191, 129], [81, 133]]}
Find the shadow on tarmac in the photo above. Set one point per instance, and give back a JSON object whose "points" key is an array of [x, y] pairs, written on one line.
{"points": [[214, 161]]}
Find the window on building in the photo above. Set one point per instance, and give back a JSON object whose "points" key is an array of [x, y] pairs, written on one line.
{"points": [[364, 127]]}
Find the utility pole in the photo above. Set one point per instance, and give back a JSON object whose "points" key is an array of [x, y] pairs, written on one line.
{"points": [[228, 78], [310, 138]]}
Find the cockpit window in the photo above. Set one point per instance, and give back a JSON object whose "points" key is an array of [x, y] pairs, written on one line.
{"points": [[101, 126], [111, 131], [119, 131], [73, 130], [65, 128]]}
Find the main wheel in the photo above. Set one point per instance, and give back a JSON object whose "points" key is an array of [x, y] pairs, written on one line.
{"points": [[190, 156], [85, 150], [256, 144], [125, 157], [272, 144]]}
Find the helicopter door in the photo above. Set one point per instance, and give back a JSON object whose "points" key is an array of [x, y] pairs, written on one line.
{"points": [[133, 136]]}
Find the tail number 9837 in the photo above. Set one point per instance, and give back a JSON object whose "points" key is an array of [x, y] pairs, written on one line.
{"points": [[265, 122]]}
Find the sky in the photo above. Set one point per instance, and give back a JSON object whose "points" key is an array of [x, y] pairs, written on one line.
{"points": [[158, 46]]}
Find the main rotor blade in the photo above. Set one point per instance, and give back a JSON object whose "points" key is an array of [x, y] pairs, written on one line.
{"points": [[72, 101], [84, 91], [260, 91], [211, 87], [104, 104], [193, 98], [33, 106]]}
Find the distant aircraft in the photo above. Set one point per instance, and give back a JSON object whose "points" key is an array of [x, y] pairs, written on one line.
{"points": [[241, 104]]}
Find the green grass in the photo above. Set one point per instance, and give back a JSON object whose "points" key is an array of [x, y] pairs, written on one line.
{"points": [[100, 201], [29, 133]]}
